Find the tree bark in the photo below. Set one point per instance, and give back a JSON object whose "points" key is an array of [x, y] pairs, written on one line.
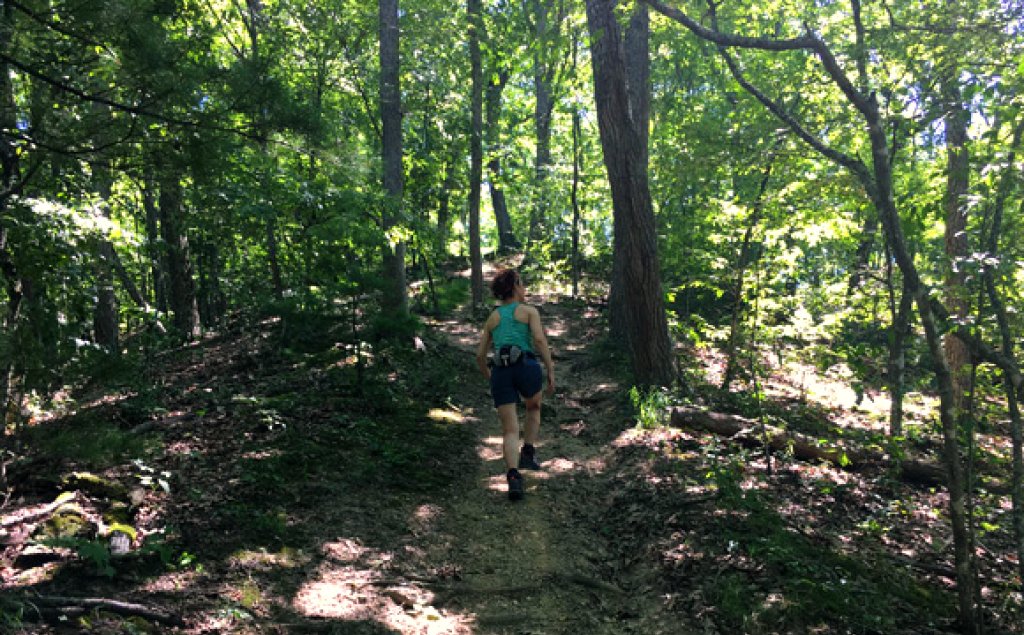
{"points": [[649, 346], [178, 257], [506, 236], [897, 362], [396, 297], [545, 35], [153, 246], [105, 313], [955, 205], [637, 59], [577, 160], [10, 174], [475, 151]]}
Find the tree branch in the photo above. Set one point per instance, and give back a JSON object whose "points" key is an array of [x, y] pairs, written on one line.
{"points": [[128, 108]]}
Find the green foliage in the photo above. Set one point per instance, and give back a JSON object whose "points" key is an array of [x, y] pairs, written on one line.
{"points": [[650, 405]]}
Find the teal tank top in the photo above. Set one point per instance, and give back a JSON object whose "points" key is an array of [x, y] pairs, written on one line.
{"points": [[510, 330]]}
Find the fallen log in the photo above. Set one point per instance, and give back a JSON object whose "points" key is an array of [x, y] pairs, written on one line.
{"points": [[43, 605], [748, 432]]}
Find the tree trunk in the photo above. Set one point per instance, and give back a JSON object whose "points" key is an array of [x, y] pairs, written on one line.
{"points": [[898, 332], [9, 175], [396, 297], [637, 59], [577, 160], [105, 314], [179, 260], [547, 26], [860, 262], [649, 345], [153, 247], [881, 190], [1006, 184], [743, 261], [506, 236], [475, 150], [955, 205], [444, 204]]}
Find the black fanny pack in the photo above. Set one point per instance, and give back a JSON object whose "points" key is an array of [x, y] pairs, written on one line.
{"points": [[510, 355]]}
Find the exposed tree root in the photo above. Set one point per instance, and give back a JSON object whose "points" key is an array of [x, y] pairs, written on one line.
{"points": [[50, 606]]}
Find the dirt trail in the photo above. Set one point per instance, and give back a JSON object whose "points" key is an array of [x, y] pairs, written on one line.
{"points": [[529, 567], [480, 564]]}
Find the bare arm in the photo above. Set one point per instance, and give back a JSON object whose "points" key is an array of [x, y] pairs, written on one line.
{"points": [[484, 347], [540, 342]]}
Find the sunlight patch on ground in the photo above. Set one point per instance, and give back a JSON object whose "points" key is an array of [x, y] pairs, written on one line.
{"points": [[351, 587], [261, 559], [446, 416], [425, 518]]}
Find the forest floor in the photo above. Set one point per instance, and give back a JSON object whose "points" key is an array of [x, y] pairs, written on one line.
{"points": [[286, 479]]}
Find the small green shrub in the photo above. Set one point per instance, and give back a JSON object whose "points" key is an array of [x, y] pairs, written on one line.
{"points": [[651, 406]]}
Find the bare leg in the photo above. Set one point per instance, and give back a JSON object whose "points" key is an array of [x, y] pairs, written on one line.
{"points": [[510, 432], [532, 427]]}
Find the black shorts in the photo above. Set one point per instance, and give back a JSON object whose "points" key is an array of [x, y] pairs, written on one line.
{"points": [[509, 382]]}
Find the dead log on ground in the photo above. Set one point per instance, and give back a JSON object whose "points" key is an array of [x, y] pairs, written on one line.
{"points": [[747, 432]]}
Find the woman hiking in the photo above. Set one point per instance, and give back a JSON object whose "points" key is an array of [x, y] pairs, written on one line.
{"points": [[515, 331]]}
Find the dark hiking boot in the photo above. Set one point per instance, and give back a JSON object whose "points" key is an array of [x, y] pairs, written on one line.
{"points": [[515, 485], [528, 458]]}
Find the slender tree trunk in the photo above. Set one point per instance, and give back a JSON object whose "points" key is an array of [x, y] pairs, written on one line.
{"points": [[955, 204], [396, 296], [745, 258], [1006, 184], [105, 313], [506, 236], [444, 204], [547, 27], [863, 255], [475, 151], [650, 348], [881, 191], [577, 160], [898, 332], [153, 246], [179, 260]]}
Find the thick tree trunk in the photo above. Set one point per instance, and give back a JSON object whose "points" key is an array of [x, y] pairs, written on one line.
{"points": [[649, 345], [547, 26], [637, 59], [178, 257], [396, 297]]}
